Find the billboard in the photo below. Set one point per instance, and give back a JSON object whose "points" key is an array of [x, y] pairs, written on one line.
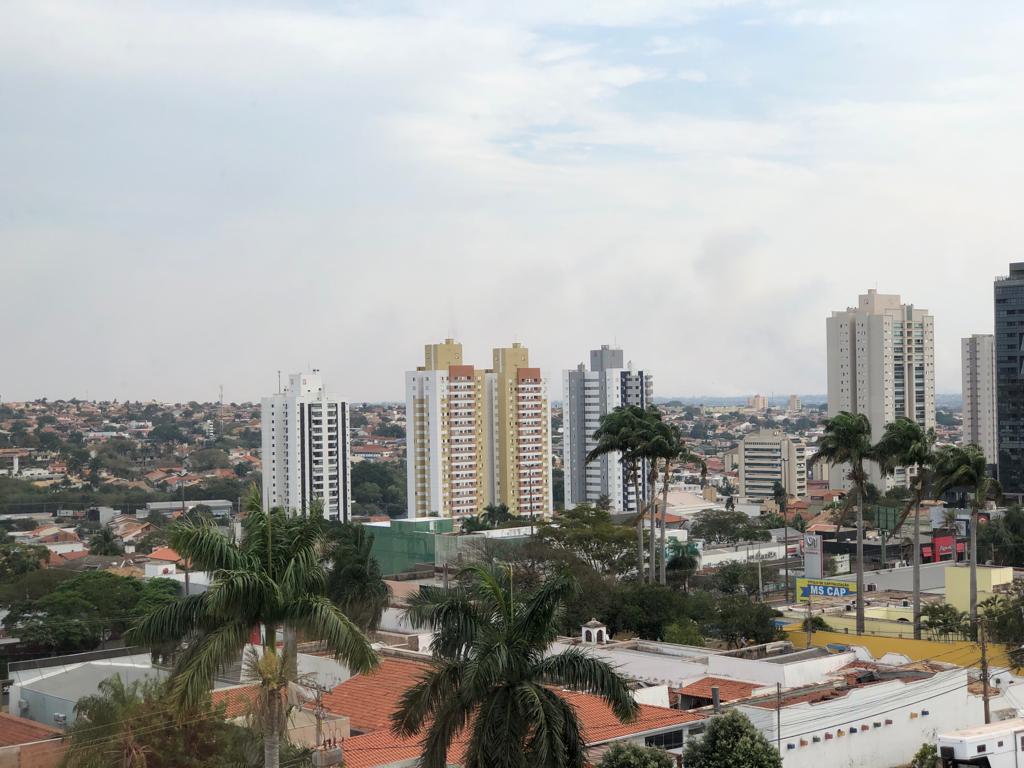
{"points": [[812, 588], [814, 556]]}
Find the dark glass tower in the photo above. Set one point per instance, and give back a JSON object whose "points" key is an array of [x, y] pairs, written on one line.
{"points": [[1009, 328]]}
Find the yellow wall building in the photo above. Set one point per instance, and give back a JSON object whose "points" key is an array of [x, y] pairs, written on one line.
{"points": [[477, 436], [958, 584]]}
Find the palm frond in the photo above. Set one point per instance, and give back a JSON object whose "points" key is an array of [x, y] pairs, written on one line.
{"points": [[170, 622], [207, 549], [242, 592], [322, 619], [197, 666], [579, 671], [439, 684]]}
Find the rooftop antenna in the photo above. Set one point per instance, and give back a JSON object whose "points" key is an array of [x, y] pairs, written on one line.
{"points": [[279, 381], [222, 394]]}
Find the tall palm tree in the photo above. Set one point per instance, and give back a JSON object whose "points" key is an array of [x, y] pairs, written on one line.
{"points": [[906, 443], [967, 469], [492, 676], [625, 431], [670, 447], [355, 582], [272, 579], [847, 440]]}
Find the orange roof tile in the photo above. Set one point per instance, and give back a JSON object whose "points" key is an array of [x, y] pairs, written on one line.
{"points": [[17, 730], [164, 553], [238, 700], [728, 690], [368, 700]]}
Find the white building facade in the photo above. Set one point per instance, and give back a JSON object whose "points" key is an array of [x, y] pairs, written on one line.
{"points": [[587, 395], [306, 452], [769, 456], [978, 362], [881, 363]]}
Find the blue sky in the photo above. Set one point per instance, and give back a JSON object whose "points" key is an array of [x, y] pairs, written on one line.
{"points": [[196, 194]]}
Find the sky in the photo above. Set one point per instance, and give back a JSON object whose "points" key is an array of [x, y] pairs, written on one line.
{"points": [[197, 194]]}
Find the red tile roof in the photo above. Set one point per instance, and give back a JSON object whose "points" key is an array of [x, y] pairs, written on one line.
{"points": [[17, 730], [368, 700], [238, 700], [164, 553], [728, 690]]}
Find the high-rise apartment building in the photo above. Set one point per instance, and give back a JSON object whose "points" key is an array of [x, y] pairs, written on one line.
{"points": [[978, 361], [477, 436], [794, 404], [587, 395], [769, 456], [757, 403], [306, 448], [1009, 351], [881, 363]]}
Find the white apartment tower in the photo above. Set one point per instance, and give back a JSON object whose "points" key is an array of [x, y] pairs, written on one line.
{"points": [[587, 395], [477, 436], [978, 357], [769, 456], [881, 363], [306, 448]]}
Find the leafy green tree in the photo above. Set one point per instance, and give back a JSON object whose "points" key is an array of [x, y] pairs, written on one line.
{"points": [[736, 577], [209, 458], [906, 443], [967, 469], [354, 581], [19, 559], [104, 542], [389, 430], [946, 620], [273, 578], [492, 674], [1002, 538], [847, 440], [166, 433], [926, 757], [625, 755], [684, 632], [739, 622], [723, 526], [590, 534], [1003, 618], [645, 610], [731, 740]]}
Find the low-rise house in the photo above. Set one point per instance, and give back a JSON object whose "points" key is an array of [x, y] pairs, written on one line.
{"points": [[27, 744]]}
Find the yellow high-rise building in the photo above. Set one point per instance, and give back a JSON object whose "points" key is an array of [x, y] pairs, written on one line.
{"points": [[476, 437]]}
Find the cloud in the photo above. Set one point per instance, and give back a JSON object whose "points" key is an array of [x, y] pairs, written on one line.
{"points": [[205, 194]]}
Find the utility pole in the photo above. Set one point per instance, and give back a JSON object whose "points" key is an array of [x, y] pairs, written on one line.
{"points": [[809, 623], [984, 671], [778, 716]]}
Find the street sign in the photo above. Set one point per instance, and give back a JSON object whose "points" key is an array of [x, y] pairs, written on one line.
{"points": [[815, 588]]}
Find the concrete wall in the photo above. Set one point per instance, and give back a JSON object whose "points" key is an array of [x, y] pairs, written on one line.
{"points": [[790, 675], [898, 708]]}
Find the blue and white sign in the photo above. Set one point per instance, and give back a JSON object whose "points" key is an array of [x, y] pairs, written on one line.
{"points": [[812, 588]]}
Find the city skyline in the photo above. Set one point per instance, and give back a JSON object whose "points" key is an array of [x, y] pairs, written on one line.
{"points": [[671, 179]]}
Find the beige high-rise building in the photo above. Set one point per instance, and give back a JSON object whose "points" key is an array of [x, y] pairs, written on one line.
{"points": [[881, 363], [757, 403], [769, 456], [477, 436], [794, 404], [978, 358]]}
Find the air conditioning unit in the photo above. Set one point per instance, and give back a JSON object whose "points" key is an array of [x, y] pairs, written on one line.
{"points": [[60, 718], [872, 588], [22, 705]]}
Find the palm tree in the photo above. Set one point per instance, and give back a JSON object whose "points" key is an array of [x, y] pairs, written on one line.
{"points": [[669, 446], [355, 582], [967, 468], [492, 676], [781, 498], [906, 443], [104, 542], [101, 729], [495, 514], [847, 440], [625, 431], [272, 579]]}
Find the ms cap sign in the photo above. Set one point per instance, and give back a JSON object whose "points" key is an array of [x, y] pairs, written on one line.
{"points": [[811, 588]]}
